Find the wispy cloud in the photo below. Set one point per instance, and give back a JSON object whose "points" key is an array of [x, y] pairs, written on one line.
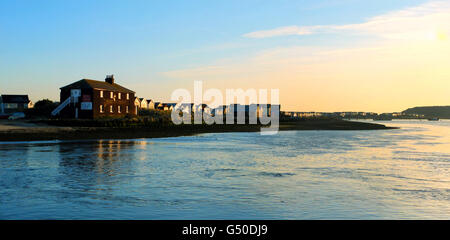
{"points": [[282, 31], [428, 20]]}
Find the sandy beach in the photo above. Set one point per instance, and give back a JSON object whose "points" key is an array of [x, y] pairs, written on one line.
{"points": [[27, 126]]}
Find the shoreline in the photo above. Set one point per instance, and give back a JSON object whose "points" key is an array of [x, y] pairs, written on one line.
{"points": [[25, 131]]}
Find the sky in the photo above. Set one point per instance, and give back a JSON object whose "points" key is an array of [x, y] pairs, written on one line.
{"points": [[348, 55]]}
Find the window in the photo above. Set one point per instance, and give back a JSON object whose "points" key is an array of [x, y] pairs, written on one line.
{"points": [[111, 95], [101, 94], [101, 108], [119, 95], [126, 109], [128, 96], [118, 108], [11, 105], [111, 109]]}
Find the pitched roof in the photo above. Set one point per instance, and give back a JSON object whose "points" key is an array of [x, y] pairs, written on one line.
{"points": [[169, 104], [94, 84], [15, 99]]}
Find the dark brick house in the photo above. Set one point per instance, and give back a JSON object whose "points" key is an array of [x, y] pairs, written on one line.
{"points": [[14, 103], [92, 99]]}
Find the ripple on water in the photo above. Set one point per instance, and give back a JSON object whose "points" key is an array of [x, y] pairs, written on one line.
{"points": [[395, 174]]}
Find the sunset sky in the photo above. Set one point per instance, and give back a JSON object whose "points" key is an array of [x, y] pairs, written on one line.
{"points": [[337, 55]]}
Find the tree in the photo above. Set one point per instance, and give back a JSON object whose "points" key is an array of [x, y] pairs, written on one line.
{"points": [[42, 108]]}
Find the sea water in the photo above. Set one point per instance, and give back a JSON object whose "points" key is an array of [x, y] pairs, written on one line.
{"points": [[383, 174]]}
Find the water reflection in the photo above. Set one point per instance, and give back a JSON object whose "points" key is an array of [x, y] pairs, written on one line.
{"points": [[94, 169], [107, 157]]}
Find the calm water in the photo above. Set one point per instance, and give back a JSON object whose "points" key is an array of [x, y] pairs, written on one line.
{"points": [[395, 174]]}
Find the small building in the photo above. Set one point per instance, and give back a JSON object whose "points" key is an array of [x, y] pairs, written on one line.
{"points": [[137, 105], [158, 105], [14, 103], [266, 109], [167, 106], [164, 106], [219, 110], [150, 104], [143, 103], [95, 99], [187, 108]]}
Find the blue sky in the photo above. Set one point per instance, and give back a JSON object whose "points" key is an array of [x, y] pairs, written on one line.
{"points": [[47, 44]]}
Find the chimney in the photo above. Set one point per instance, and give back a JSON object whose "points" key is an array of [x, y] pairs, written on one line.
{"points": [[109, 79]]}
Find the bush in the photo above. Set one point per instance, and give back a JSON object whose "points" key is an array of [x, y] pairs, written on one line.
{"points": [[42, 109], [153, 115], [149, 112]]}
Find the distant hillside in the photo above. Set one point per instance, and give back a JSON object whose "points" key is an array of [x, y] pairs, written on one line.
{"points": [[435, 111]]}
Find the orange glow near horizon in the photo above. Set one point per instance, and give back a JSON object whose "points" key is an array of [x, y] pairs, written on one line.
{"points": [[389, 77]]}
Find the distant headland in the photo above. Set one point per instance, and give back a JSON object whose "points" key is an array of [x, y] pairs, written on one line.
{"points": [[442, 112]]}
